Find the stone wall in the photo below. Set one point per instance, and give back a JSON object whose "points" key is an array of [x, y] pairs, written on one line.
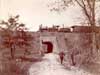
{"points": [[68, 41], [78, 44]]}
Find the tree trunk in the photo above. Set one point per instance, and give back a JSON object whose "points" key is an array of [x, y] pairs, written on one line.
{"points": [[94, 48], [93, 25], [73, 60], [12, 53]]}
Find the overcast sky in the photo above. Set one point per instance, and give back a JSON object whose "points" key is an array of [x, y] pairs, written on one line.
{"points": [[35, 12]]}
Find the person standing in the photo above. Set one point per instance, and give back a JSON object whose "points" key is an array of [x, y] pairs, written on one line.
{"points": [[61, 55]]}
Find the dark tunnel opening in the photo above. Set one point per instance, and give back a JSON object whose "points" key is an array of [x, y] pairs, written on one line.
{"points": [[49, 46]]}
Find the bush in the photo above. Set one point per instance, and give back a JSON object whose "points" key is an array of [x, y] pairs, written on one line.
{"points": [[12, 68]]}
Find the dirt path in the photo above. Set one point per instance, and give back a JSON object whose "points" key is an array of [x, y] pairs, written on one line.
{"points": [[51, 66]]}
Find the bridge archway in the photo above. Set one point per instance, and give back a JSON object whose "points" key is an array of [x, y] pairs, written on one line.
{"points": [[49, 46]]}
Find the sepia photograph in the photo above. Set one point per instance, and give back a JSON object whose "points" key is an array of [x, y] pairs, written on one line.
{"points": [[49, 37]]}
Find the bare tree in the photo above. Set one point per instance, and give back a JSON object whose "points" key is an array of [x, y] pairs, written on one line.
{"points": [[88, 7]]}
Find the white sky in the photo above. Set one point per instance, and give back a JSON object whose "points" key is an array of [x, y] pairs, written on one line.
{"points": [[35, 12]]}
